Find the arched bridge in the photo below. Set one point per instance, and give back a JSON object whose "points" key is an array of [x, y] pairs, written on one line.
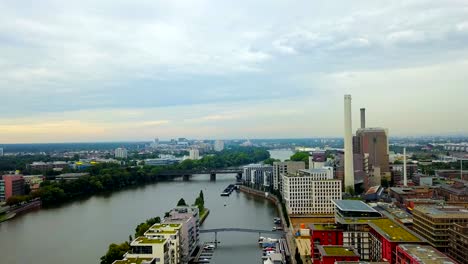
{"points": [[244, 230]]}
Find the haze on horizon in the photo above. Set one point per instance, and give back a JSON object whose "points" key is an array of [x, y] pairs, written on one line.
{"points": [[73, 71]]}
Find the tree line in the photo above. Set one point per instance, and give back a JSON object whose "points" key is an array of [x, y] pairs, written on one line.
{"points": [[106, 178]]}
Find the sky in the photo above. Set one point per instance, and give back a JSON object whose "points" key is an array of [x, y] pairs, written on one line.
{"points": [[113, 70]]}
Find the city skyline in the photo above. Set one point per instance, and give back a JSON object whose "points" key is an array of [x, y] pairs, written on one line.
{"points": [[117, 71]]}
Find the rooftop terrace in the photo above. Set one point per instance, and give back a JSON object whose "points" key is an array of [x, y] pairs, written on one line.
{"points": [[443, 212], [320, 227], [134, 261], [353, 206], [392, 231], [145, 240]]}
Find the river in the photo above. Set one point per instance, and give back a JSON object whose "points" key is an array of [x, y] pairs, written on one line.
{"points": [[80, 232]]}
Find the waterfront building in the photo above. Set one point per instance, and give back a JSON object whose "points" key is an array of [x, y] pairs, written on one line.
{"points": [[385, 236], [171, 232], [332, 254], [189, 237], [420, 254], [353, 217], [311, 191], [161, 161], [433, 223], [70, 176], [13, 185], [136, 261], [458, 242], [255, 173], [286, 167], [148, 248], [219, 145], [194, 154], [121, 153], [34, 181]]}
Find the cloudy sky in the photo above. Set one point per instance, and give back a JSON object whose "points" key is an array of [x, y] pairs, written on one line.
{"points": [[133, 70]]}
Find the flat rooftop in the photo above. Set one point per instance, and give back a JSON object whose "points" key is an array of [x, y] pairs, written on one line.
{"points": [[443, 212], [321, 227], [353, 206], [393, 231], [426, 254], [133, 261], [145, 240], [337, 251]]}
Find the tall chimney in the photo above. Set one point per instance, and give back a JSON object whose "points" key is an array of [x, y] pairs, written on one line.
{"points": [[405, 179], [363, 118], [348, 145]]}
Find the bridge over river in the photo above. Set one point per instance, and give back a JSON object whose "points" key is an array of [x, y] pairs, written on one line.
{"points": [[212, 172]]}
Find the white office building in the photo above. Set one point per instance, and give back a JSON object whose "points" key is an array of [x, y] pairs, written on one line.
{"points": [[311, 191], [255, 173], [219, 145], [194, 154], [121, 153], [286, 167]]}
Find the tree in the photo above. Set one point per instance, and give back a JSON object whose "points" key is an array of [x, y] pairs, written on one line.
{"points": [[270, 161], [115, 252], [201, 196], [301, 156], [181, 202]]}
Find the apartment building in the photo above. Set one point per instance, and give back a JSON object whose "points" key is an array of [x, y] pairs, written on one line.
{"points": [[286, 167]]}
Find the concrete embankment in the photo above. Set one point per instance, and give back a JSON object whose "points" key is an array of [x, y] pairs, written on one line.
{"points": [[272, 198]]}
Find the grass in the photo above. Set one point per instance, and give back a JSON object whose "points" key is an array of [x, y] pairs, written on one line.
{"points": [[392, 231], [324, 227], [132, 260], [145, 240], [338, 251]]}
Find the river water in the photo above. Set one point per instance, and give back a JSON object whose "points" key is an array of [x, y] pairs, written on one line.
{"points": [[80, 232]]}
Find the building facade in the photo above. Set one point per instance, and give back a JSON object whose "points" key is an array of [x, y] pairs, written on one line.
{"points": [[458, 242], [194, 154], [13, 185], [255, 173], [332, 254], [433, 223], [286, 167], [311, 191], [420, 254], [121, 153], [323, 235]]}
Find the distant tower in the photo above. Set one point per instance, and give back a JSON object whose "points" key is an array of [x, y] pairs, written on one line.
{"points": [[348, 145], [363, 118]]}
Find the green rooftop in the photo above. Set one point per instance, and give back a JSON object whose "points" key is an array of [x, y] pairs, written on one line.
{"points": [[339, 251], [324, 227], [132, 260], [393, 231], [145, 240]]}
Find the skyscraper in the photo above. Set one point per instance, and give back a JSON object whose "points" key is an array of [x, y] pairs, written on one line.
{"points": [[348, 145], [121, 153], [194, 154], [219, 145]]}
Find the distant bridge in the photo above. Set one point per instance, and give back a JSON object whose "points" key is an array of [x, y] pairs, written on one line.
{"points": [[243, 230], [212, 172]]}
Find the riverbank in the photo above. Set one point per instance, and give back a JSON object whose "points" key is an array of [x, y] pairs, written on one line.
{"points": [[204, 215], [14, 211], [272, 198]]}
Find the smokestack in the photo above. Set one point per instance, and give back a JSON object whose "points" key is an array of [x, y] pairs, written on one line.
{"points": [[363, 118], [348, 145], [405, 179]]}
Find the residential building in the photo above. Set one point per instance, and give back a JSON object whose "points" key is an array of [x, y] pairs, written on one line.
{"points": [[45, 166], [385, 236], [171, 232], [255, 173], [420, 254], [457, 191], [458, 242], [149, 248], [189, 237], [194, 154], [121, 153], [332, 254], [353, 217], [34, 181], [433, 223], [136, 261], [397, 171], [324, 235], [14, 185], [311, 191], [219, 145], [286, 167]]}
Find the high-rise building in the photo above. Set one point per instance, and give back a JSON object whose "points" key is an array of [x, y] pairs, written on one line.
{"points": [[2, 189], [13, 185], [121, 153], [433, 223], [219, 145], [189, 217], [374, 143], [194, 154], [348, 145], [285, 167], [1, 152], [311, 191]]}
